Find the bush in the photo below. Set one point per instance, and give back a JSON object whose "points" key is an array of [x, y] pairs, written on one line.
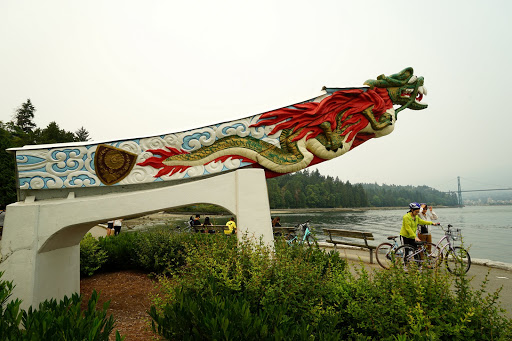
{"points": [[417, 305], [53, 321], [222, 280], [10, 313], [244, 291], [120, 251], [92, 256], [206, 317], [64, 320], [161, 250]]}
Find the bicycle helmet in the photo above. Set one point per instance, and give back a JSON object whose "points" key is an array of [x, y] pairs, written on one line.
{"points": [[414, 206]]}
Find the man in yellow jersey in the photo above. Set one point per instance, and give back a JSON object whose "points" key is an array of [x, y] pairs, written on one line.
{"points": [[410, 222], [231, 226]]}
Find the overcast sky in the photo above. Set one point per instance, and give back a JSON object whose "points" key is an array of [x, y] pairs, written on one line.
{"points": [[126, 69]]}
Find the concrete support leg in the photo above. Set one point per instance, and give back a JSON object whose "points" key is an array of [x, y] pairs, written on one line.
{"points": [[40, 245], [253, 209]]}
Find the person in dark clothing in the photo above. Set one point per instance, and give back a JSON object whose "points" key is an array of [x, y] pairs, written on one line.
{"points": [[196, 223], [206, 224], [276, 222]]}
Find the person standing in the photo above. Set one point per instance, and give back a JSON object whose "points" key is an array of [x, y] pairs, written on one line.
{"points": [[410, 223], [2, 217], [426, 213], [117, 226], [231, 226], [110, 228]]}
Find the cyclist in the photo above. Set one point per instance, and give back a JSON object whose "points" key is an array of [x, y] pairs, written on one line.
{"points": [[410, 222]]}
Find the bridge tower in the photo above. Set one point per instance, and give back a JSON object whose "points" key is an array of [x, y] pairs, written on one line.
{"points": [[459, 192]]}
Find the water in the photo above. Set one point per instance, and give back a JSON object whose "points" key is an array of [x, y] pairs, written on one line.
{"points": [[486, 230]]}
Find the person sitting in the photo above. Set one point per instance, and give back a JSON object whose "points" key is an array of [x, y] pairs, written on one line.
{"points": [[231, 226], [206, 224], [276, 222], [197, 223]]}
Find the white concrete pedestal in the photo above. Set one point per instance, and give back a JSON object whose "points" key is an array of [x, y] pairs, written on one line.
{"points": [[40, 245]]}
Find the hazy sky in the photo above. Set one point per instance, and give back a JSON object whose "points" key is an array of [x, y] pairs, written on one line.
{"points": [[126, 69]]}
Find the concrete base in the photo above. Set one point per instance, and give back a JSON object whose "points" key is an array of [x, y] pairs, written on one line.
{"points": [[40, 245]]}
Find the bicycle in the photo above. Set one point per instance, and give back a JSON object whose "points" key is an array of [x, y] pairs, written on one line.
{"points": [[454, 256], [424, 255], [386, 252], [307, 236]]}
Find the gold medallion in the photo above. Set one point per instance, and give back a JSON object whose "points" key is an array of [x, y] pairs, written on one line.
{"points": [[113, 164]]}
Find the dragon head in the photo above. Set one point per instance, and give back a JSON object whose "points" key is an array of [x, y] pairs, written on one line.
{"points": [[404, 88]]}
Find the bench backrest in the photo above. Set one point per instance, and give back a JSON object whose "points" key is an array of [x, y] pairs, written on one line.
{"points": [[217, 228], [349, 234], [284, 229]]}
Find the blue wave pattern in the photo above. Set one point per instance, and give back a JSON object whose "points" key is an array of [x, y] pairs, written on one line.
{"points": [[73, 167]]}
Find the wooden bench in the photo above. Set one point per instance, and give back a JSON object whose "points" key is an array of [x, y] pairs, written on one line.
{"points": [[350, 234], [283, 230], [216, 228]]}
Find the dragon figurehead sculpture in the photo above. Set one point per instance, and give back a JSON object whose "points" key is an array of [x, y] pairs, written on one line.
{"points": [[309, 132], [404, 89], [280, 141]]}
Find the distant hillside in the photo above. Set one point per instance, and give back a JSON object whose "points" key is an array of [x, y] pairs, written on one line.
{"points": [[394, 195], [313, 190]]}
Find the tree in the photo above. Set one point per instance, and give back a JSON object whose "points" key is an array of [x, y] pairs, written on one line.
{"points": [[20, 131], [53, 134], [7, 174], [82, 135], [24, 117]]}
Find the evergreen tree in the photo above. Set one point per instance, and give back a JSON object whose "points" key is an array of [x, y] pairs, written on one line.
{"points": [[18, 132], [82, 135], [313, 190], [24, 117], [7, 173], [53, 134]]}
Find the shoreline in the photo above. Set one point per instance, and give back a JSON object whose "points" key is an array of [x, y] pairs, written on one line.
{"points": [[342, 209], [174, 217]]}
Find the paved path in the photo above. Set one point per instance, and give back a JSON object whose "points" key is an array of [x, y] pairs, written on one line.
{"points": [[500, 274]]}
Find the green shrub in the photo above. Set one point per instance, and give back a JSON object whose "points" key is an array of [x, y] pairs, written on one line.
{"points": [[304, 293], [162, 250], [10, 313], [64, 320], [91, 255], [194, 316], [281, 292], [417, 305], [53, 321], [120, 250]]}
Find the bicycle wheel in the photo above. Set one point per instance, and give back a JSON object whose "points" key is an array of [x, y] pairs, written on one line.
{"points": [[384, 254], [402, 255], [458, 260], [310, 240]]}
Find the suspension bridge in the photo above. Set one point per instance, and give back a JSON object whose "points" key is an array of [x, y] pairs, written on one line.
{"points": [[460, 191]]}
